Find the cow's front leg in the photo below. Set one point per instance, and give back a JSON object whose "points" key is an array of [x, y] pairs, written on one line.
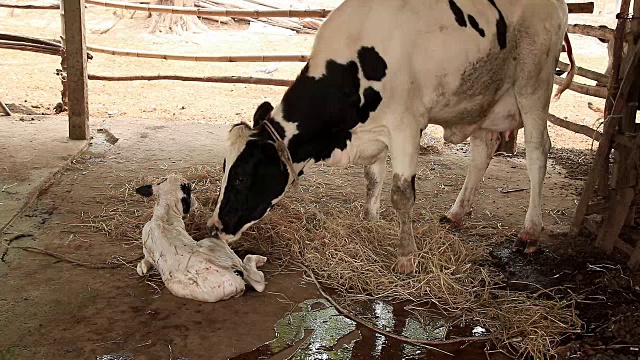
{"points": [[404, 158], [483, 145], [374, 175]]}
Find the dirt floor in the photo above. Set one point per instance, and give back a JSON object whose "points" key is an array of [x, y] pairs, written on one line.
{"points": [[53, 309]]}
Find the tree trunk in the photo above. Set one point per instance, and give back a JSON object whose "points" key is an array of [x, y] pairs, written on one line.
{"points": [[176, 24]]}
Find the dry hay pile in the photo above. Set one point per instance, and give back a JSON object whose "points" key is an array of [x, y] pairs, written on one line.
{"points": [[320, 226]]}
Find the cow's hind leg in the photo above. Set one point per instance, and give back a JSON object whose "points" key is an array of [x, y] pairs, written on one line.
{"points": [[483, 146], [374, 175], [537, 145], [404, 158]]}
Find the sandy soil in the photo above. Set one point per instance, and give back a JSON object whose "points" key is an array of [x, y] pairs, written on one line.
{"points": [[50, 309]]}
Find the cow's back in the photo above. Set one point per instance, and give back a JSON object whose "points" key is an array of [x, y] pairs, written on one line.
{"points": [[439, 53]]}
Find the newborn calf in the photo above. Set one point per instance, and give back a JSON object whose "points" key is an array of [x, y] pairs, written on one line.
{"points": [[207, 270]]}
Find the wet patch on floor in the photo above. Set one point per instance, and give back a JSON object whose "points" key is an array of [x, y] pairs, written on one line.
{"points": [[318, 331]]}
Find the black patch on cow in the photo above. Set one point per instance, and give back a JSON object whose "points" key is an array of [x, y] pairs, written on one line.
{"points": [[301, 172], [224, 165], [253, 181], [186, 198], [458, 13], [559, 72], [238, 272], [325, 110], [372, 100], [474, 24], [373, 66], [263, 112], [501, 27], [145, 190]]}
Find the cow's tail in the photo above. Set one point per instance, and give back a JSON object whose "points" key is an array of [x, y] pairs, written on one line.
{"points": [[572, 70]]}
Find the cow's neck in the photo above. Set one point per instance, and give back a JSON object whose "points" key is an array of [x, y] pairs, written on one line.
{"points": [[287, 130]]}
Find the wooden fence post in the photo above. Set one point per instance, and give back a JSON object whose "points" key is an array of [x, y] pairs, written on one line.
{"points": [[76, 56]]}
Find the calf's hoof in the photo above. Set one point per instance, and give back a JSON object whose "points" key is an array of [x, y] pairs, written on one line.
{"points": [[406, 265]]}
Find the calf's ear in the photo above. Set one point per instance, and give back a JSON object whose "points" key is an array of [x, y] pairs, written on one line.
{"points": [[145, 190], [263, 112]]}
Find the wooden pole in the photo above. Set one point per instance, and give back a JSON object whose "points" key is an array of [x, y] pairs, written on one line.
{"points": [[5, 109], [319, 13], [212, 79], [590, 30], [589, 74], [76, 58], [596, 91], [199, 57], [581, 8], [604, 147]]}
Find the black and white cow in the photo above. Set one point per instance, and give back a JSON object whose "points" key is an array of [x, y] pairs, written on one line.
{"points": [[380, 71]]}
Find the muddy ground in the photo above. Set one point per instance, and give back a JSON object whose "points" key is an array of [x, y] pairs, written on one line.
{"points": [[53, 309]]}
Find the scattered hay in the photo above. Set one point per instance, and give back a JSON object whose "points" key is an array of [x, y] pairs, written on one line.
{"points": [[321, 227]]}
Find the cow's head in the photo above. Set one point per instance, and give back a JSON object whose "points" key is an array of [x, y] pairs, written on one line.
{"points": [[255, 177]]}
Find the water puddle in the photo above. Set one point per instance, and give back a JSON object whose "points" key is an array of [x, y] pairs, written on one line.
{"points": [[318, 331]]}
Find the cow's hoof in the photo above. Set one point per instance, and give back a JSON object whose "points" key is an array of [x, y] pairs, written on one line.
{"points": [[450, 223], [526, 242], [406, 265]]}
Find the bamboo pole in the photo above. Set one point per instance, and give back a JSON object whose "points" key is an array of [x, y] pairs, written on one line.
{"points": [[590, 30], [604, 147], [589, 74], [178, 10], [576, 128], [597, 91], [199, 57], [30, 6], [212, 79], [589, 132], [42, 49], [28, 39], [5, 109]]}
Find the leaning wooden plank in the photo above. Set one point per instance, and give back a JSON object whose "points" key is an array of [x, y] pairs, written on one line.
{"points": [[212, 79], [589, 74], [610, 126], [199, 57], [597, 91], [590, 30]]}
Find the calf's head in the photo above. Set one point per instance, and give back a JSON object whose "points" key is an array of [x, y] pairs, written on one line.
{"points": [[172, 191], [255, 177]]}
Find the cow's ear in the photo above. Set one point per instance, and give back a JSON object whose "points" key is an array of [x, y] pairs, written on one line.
{"points": [[145, 190], [263, 112]]}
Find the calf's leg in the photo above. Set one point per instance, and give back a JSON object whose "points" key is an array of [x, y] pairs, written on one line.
{"points": [[483, 146], [404, 158], [144, 266], [374, 175]]}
